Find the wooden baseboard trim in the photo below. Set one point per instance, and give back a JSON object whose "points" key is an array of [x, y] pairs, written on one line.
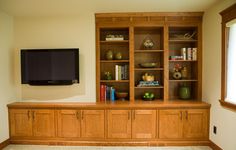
{"points": [[4, 143], [214, 146], [111, 143]]}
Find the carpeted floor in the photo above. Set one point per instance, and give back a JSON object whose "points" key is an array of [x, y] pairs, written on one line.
{"points": [[39, 147]]}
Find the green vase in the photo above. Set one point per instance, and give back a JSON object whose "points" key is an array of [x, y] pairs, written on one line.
{"points": [[184, 92], [109, 55]]}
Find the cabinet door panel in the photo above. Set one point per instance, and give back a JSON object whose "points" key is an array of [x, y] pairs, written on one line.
{"points": [[144, 124], [170, 124], [43, 123], [196, 123], [69, 123], [20, 122], [119, 124], [92, 123]]}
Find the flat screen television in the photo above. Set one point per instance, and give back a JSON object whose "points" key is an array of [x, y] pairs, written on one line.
{"points": [[50, 66]]}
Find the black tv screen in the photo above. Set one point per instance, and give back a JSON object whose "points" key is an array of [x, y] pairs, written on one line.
{"points": [[50, 66]]}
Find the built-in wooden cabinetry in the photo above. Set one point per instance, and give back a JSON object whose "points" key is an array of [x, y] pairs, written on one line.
{"points": [[135, 124], [32, 123], [81, 123], [171, 35], [183, 123], [140, 123]]}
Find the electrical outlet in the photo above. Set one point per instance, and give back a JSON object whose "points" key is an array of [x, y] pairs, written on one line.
{"points": [[214, 129]]}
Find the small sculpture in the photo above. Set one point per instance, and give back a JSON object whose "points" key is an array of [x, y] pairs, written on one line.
{"points": [[108, 75], [177, 74], [148, 43]]}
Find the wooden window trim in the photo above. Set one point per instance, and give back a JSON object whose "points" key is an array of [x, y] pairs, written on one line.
{"points": [[227, 15]]}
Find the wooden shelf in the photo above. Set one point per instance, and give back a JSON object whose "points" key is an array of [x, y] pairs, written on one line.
{"points": [[118, 41], [114, 61], [148, 101], [190, 80], [150, 87], [164, 44], [114, 81], [182, 60], [181, 41], [146, 69], [148, 51]]}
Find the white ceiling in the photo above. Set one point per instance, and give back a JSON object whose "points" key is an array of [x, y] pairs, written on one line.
{"points": [[74, 7]]}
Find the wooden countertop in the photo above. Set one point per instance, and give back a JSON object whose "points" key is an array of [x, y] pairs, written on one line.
{"points": [[114, 105]]}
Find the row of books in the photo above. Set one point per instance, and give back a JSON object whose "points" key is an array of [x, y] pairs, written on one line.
{"points": [[107, 93], [121, 72]]}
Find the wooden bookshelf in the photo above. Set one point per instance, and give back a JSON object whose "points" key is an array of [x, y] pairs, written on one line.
{"points": [[169, 33]]}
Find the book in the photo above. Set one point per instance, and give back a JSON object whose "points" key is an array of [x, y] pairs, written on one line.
{"points": [[116, 72], [102, 92], [112, 94], [108, 92], [194, 53]]}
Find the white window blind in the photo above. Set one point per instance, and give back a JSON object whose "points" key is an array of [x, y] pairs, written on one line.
{"points": [[231, 64]]}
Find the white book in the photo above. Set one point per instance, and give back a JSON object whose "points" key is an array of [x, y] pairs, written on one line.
{"points": [[194, 53], [117, 72]]}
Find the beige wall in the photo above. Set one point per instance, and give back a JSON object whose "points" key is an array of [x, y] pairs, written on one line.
{"points": [[223, 119], [59, 32], [7, 89]]}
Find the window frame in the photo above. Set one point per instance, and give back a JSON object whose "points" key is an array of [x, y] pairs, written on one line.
{"points": [[227, 15]]}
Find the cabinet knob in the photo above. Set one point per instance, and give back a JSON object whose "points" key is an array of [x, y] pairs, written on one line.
{"points": [[180, 115], [129, 115], [78, 115], [82, 115], [134, 114], [28, 114], [186, 115], [33, 114]]}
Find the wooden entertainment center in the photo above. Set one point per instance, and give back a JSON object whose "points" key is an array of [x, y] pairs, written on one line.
{"points": [[166, 119]]}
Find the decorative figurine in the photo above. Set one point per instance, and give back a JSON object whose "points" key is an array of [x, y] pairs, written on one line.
{"points": [[177, 74], [108, 75]]}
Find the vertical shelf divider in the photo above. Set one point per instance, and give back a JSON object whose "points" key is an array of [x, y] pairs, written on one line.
{"points": [[131, 63], [166, 63]]}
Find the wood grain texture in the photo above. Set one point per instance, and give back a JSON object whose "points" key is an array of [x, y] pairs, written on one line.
{"points": [[144, 124], [93, 124], [69, 123], [119, 124], [114, 142], [4, 143], [108, 105], [20, 122]]}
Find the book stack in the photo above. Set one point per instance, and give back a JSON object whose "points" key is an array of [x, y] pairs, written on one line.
{"points": [[121, 72], [148, 83], [107, 93]]}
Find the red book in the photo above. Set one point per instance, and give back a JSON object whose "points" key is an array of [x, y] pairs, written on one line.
{"points": [[102, 92]]}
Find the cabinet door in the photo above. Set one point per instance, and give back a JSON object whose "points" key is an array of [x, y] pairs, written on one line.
{"points": [[92, 123], [144, 124], [196, 123], [20, 122], [43, 123], [119, 124], [69, 123], [170, 124]]}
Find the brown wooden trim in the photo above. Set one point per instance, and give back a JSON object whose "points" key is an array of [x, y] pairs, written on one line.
{"points": [[214, 146], [114, 143], [228, 105], [138, 14], [108, 105], [227, 15], [4, 143]]}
